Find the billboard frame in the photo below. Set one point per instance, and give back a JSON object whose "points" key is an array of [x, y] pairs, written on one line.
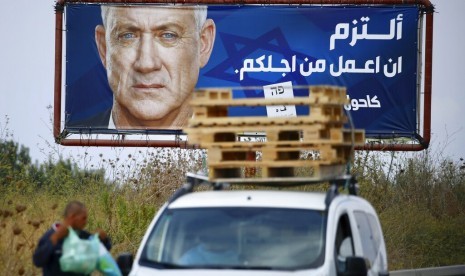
{"points": [[423, 140]]}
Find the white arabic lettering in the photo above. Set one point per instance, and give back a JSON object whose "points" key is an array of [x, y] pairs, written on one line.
{"points": [[341, 31], [371, 66], [356, 104], [306, 68]]}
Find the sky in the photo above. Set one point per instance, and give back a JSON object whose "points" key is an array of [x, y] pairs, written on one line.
{"points": [[27, 78]]}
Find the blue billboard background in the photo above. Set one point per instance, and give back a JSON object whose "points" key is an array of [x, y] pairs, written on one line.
{"points": [[372, 51]]}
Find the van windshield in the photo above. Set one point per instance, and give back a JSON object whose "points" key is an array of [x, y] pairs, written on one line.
{"points": [[237, 238]]}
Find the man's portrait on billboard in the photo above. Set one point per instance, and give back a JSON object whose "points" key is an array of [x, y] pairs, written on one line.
{"points": [[152, 56]]}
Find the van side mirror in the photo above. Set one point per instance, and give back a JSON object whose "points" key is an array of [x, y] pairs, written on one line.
{"points": [[355, 266], [124, 262]]}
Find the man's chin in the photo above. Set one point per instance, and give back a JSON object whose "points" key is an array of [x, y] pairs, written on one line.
{"points": [[153, 121], [152, 117]]}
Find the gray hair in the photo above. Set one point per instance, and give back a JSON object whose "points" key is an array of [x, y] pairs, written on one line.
{"points": [[200, 13]]}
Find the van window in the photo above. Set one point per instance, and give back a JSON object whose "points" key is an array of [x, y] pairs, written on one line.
{"points": [[370, 239], [375, 230], [243, 238]]}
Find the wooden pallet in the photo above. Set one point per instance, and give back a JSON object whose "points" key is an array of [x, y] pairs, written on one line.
{"points": [[280, 156], [296, 135], [215, 116], [310, 172], [322, 95], [210, 107]]}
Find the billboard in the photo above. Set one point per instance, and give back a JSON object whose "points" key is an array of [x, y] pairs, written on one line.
{"points": [[137, 71]]}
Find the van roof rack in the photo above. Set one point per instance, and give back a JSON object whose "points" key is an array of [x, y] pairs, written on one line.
{"points": [[193, 180], [200, 179], [350, 184], [346, 181]]}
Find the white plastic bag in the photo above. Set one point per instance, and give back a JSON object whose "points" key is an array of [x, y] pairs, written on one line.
{"points": [[78, 255]]}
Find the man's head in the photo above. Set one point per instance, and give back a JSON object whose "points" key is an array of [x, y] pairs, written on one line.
{"points": [[75, 215], [153, 55]]}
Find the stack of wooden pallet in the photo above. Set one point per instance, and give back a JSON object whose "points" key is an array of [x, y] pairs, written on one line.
{"points": [[288, 140]]}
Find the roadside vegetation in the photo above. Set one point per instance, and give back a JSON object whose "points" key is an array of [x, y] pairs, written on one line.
{"points": [[420, 200], [421, 204]]}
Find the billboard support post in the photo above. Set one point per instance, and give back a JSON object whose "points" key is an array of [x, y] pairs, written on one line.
{"points": [[59, 10]]}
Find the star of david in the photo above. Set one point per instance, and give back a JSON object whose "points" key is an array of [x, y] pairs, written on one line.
{"points": [[238, 48]]}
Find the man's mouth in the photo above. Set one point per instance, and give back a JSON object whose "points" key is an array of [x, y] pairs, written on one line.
{"points": [[148, 86]]}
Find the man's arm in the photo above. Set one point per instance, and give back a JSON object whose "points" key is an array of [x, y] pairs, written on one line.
{"points": [[47, 244], [104, 239], [44, 250], [107, 243]]}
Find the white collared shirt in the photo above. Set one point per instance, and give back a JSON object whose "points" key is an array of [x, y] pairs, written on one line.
{"points": [[111, 123]]}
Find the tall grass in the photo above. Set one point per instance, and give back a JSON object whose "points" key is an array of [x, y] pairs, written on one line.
{"points": [[421, 204]]}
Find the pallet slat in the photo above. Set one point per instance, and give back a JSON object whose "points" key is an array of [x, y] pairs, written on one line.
{"points": [[275, 136], [217, 117]]}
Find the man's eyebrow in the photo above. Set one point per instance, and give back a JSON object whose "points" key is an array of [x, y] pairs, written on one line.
{"points": [[125, 27], [129, 25], [170, 26]]}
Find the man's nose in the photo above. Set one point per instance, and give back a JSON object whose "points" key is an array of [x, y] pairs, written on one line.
{"points": [[148, 56]]}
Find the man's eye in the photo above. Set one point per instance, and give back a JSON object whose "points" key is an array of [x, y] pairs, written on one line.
{"points": [[169, 37], [127, 36]]}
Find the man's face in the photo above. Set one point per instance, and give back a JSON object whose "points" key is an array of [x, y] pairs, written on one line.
{"points": [[153, 57], [79, 220]]}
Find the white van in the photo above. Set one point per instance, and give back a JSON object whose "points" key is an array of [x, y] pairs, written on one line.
{"points": [[225, 232]]}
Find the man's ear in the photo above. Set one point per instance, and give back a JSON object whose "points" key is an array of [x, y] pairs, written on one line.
{"points": [[207, 39], [101, 43]]}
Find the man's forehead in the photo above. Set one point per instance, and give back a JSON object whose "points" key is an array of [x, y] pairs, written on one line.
{"points": [[79, 212], [138, 13], [82, 211]]}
